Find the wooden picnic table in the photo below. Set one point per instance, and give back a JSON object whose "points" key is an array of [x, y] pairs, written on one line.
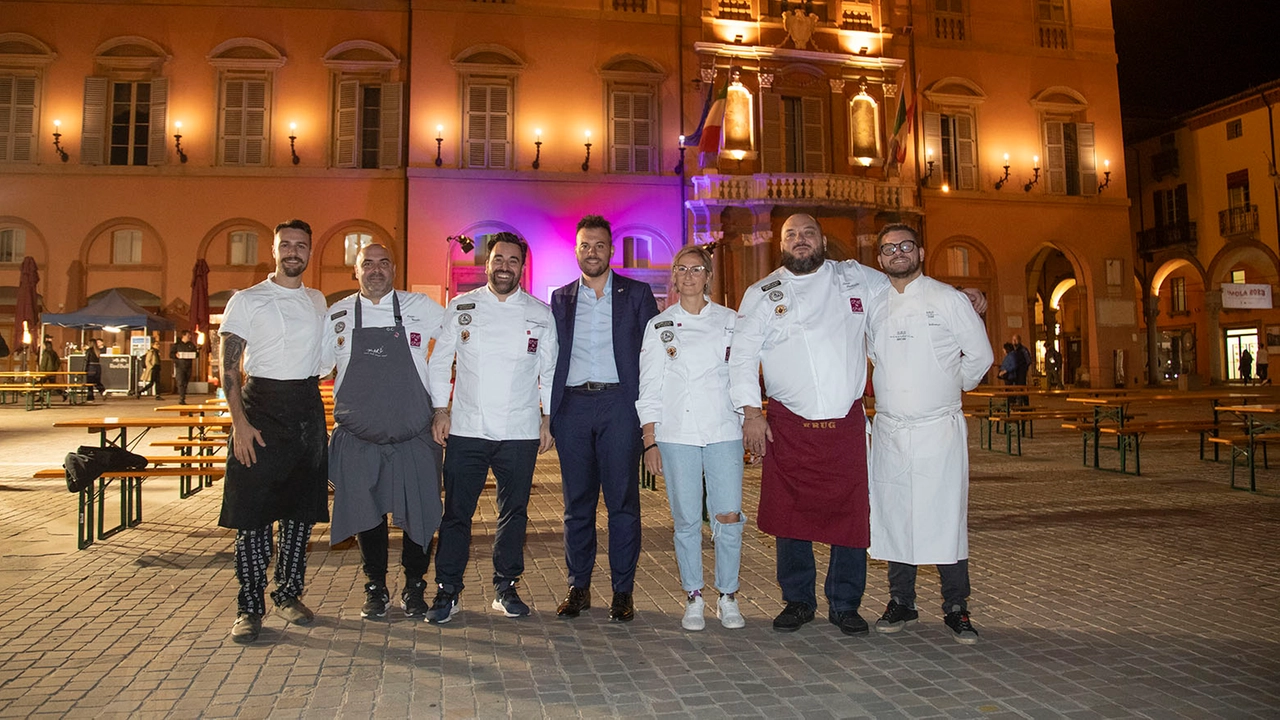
{"points": [[197, 427], [1258, 421], [200, 409]]}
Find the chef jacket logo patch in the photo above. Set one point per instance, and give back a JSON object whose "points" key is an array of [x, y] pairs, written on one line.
{"points": [[672, 351], [339, 327], [533, 346], [855, 304], [337, 315], [664, 323], [780, 310], [776, 295], [464, 319], [667, 336], [467, 306], [415, 339], [466, 335], [772, 285]]}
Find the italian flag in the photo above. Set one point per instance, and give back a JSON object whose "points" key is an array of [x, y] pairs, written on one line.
{"points": [[902, 121], [711, 140]]}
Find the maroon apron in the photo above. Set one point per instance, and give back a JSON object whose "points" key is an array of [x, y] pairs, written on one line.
{"points": [[814, 480]]}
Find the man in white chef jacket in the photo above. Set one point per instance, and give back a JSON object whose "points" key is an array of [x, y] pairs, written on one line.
{"points": [[928, 346]]}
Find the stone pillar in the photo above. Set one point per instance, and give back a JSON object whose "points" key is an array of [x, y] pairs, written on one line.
{"points": [[1212, 309], [1151, 311]]}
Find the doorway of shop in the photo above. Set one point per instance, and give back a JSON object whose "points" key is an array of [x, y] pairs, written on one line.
{"points": [[1238, 340]]}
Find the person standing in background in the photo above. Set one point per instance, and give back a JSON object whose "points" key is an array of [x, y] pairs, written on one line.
{"points": [[183, 353], [1262, 359]]}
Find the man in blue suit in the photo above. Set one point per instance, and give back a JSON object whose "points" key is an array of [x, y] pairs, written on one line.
{"points": [[600, 321]]}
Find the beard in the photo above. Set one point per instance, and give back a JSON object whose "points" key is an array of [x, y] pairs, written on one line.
{"points": [[601, 269], [292, 270], [904, 271], [804, 265], [503, 286]]}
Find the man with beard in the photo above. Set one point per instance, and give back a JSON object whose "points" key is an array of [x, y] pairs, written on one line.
{"points": [[504, 344], [381, 456], [805, 325], [928, 347], [277, 469], [600, 321]]}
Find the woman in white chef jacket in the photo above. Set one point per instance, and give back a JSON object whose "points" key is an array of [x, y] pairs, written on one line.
{"points": [[691, 431]]}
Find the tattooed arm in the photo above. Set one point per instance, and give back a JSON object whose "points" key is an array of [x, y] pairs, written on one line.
{"points": [[245, 452]]}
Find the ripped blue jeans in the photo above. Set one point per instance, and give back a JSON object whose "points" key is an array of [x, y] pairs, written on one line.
{"points": [[683, 468]]}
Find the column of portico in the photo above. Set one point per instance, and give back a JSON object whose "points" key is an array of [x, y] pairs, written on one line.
{"points": [[1151, 311], [1212, 309]]}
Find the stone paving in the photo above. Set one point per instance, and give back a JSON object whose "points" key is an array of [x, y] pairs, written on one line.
{"points": [[1097, 596]]}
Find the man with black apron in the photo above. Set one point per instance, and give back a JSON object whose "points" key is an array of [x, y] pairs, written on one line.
{"points": [[382, 458], [504, 341], [277, 467]]}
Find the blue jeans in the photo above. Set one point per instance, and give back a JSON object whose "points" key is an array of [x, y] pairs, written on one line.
{"points": [[684, 468], [846, 575]]}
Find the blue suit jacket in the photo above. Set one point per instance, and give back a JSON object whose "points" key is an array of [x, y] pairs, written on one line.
{"points": [[633, 306]]}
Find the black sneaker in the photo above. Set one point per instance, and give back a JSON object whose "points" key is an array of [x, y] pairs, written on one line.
{"points": [[246, 628], [376, 599], [508, 602], [849, 622], [413, 598], [442, 607], [896, 616], [792, 617], [961, 628]]}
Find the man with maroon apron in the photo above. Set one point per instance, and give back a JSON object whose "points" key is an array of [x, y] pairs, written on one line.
{"points": [[277, 467], [929, 347], [805, 325], [382, 458]]}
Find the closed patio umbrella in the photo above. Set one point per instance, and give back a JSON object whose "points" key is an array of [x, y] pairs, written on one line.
{"points": [[200, 296], [25, 307]]}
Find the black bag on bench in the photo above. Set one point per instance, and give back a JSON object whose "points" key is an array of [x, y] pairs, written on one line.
{"points": [[88, 463]]}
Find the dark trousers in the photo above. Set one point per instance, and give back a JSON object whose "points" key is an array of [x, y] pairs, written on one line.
{"points": [[955, 585], [467, 462], [181, 378], [253, 554], [153, 381], [93, 378], [375, 545], [598, 437], [846, 575]]}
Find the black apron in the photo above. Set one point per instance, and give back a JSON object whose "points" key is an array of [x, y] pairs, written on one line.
{"points": [[383, 458], [290, 479]]}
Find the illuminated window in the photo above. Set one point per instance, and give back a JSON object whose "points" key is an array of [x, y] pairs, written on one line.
{"points": [[244, 247], [1178, 295], [351, 246], [958, 261], [1237, 276], [13, 245], [126, 247]]}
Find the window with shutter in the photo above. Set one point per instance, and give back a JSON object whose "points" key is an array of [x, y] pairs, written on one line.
{"points": [[17, 118], [1086, 159], [132, 140], [126, 247], [389, 151], [346, 109], [243, 245], [157, 123], [94, 121], [488, 124], [966, 157], [632, 138], [814, 135], [951, 140], [771, 139], [12, 245], [1055, 158], [244, 121]]}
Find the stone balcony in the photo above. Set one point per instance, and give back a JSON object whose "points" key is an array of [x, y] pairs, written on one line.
{"points": [[803, 189]]}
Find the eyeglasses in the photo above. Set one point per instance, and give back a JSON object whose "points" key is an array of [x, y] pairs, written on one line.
{"points": [[690, 269], [905, 246]]}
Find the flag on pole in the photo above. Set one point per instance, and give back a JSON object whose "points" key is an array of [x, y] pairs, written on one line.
{"points": [[711, 140], [903, 120], [696, 138]]}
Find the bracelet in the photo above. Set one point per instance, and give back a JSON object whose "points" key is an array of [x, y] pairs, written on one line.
{"points": [[647, 448], [437, 411]]}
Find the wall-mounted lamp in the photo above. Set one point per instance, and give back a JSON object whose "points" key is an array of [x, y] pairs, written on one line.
{"points": [[928, 154], [1106, 174], [737, 39], [1035, 159], [537, 156], [679, 168], [293, 138], [586, 163], [862, 50], [57, 140], [738, 155], [439, 143], [464, 242], [1004, 178], [177, 141]]}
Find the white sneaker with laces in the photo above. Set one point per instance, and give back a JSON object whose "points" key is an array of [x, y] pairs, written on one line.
{"points": [[730, 615], [693, 619]]}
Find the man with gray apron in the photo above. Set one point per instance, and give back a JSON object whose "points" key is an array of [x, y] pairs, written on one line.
{"points": [[928, 346], [382, 458], [277, 467]]}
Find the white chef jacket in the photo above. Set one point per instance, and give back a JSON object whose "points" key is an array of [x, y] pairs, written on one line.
{"points": [[684, 376], [506, 359], [928, 346], [420, 314], [809, 333], [282, 328]]}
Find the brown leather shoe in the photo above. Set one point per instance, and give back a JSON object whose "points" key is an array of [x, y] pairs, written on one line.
{"points": [[622, 609], [246, 628], [575, 602], [295, 612]]}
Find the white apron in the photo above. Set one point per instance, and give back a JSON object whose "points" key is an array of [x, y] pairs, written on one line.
{"points": [[919, 462]]}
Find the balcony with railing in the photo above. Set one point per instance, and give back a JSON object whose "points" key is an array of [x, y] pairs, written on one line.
{"points": [[1181, 236], [1052, 36], [1238, 221], [948, 27], [735, 10], [803, 189]]}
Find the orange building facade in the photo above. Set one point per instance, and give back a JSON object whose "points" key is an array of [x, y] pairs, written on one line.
{"points": [[414, 124]]}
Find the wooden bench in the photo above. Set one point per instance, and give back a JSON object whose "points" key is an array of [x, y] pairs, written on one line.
{"points": [[1129, 438], [41, 394], [179, 444], [1242, 448], [1026, 417], [93, 500]]}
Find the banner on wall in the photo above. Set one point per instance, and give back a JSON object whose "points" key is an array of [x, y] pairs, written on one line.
{"points": [[1246, 295]]}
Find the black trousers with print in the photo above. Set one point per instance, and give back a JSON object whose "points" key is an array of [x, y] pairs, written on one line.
{"points": [[253, 554]]}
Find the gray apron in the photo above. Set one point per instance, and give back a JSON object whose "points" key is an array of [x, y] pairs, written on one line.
{"points": [[382, 458]]}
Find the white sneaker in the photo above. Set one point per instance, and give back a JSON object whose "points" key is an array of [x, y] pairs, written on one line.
{"points": [[693, 619], [730, 615]]}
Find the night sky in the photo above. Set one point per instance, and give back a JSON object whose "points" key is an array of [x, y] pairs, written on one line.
{"points": [[1178, 55]]}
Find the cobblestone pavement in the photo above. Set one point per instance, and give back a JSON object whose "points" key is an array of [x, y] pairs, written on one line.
{"points": [[1097, 595]]}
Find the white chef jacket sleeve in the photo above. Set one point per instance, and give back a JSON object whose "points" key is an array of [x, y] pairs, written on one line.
{"points": [[744, 354], [652, 367], [548, 353], [328, 358], [440, 366], [971, 334]]}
